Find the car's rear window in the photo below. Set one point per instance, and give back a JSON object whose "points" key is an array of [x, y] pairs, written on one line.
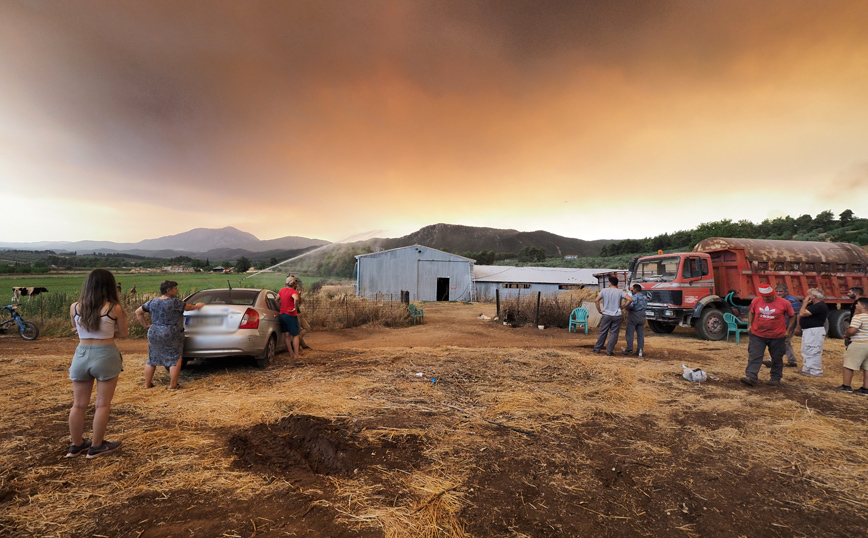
{"points": [[236, 297]]}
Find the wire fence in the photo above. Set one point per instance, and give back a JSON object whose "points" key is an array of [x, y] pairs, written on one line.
{"points": [[322, 311]]}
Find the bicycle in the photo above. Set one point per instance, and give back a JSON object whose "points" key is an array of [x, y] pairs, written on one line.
{"points": [[27, 329]]}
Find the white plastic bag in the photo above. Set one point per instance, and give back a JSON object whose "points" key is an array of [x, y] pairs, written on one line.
{"points": [[697, 375]]}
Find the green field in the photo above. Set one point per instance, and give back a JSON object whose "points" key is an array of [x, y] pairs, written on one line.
{"points": [[146, 283]]}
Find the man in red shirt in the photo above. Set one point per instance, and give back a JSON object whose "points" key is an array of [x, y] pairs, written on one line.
{"points": [[768, 329], [289, 316]]}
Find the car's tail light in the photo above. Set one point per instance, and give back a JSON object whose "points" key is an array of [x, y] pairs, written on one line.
{"points": [[250, 320]]}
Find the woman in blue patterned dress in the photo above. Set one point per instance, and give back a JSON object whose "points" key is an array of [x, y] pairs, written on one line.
{"points": [[166, 332]]}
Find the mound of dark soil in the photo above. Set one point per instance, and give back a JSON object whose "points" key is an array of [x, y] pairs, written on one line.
{"points": [[300, 445]]}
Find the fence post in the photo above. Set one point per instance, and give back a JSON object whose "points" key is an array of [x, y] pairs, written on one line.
{"points": [[497, 301], [538, 295]]}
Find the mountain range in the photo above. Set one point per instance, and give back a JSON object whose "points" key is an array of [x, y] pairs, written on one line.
{"points": [[232, 243]]}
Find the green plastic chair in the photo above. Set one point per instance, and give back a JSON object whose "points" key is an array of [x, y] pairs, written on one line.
{"points": [[734, 325], [416, 314], [578, 318]]}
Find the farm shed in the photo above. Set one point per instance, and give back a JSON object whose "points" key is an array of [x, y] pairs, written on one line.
{"points": [[428, 274], [512, 281]]}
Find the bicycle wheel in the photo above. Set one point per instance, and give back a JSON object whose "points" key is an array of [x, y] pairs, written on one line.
{"points": [[30, 331]]}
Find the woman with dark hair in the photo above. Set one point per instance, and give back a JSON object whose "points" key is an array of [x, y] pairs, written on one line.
{"points": [[99, 318], [166, 332]]}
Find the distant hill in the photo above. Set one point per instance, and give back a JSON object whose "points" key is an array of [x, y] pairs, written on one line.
{"points": [[457, 239], [198, 242]]}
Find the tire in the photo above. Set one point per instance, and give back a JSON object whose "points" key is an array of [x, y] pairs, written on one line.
{"points": [[30, 331], [838, 321], [185, 361], [711, 325], [659, 327], [267, 355]]}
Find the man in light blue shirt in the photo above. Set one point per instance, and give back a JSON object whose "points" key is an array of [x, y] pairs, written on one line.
{"points": [[611, 299]]}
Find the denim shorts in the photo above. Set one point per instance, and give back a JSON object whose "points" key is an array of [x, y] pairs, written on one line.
{"points": [[289, 324], [96, 362]]}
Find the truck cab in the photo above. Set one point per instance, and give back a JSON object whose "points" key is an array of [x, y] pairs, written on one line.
{"points": [[679, 287]]}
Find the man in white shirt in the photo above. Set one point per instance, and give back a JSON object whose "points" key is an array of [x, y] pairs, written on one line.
{"points": [[611, 299]]}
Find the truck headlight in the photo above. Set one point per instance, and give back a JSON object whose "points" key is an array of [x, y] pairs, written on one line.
{"points": [[668, 313]]}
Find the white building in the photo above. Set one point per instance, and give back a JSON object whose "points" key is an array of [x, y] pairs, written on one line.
{"points": [[512, 281]]}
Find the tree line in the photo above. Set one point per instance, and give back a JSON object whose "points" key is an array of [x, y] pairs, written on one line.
{"points": [[822, 227]]}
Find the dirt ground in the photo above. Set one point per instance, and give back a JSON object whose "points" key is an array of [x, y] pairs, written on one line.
{"points": [[457, 427]]}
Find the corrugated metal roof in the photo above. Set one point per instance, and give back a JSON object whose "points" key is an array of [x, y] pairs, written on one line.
{"points": [[380, 253], [536, 275]]}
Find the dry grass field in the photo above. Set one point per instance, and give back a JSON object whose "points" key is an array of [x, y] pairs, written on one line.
{"points": [[511, 432]]}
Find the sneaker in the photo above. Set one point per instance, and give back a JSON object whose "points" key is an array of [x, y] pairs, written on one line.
{"points": [[844, 388], [748, 381], [609, 354], [791, 364], [773, 382], [767, 364], [76, 450], [808, 374], [627, 352], [861, 390], [105, 447], [640, 352]]}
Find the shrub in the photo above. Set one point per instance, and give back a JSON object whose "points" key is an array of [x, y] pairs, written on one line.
{"points": [[553, 311]]}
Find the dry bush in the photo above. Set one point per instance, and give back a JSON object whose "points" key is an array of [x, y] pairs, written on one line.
{"points": [[553, 311], [324, 311]]}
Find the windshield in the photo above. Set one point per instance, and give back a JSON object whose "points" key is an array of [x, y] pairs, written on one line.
{"points": [[236, 297], [656, 270]]}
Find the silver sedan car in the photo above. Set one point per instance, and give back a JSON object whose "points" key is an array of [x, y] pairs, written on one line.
{"points": [[236, 321]]}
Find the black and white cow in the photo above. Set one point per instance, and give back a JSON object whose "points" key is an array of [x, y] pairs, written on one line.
{"points": [[26, 291]]}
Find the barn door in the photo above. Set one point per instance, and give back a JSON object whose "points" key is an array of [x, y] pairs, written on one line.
{"points": [[442, 289]]}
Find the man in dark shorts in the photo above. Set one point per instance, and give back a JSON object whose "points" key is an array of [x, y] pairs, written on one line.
{"points": [[289, 315]]}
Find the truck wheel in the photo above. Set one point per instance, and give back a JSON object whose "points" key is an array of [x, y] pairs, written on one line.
{"points": [[711, 325], [659, 327], [838, 320]]}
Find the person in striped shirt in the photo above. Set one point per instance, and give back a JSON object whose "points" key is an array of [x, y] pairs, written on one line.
{"points": [[856, 356]]}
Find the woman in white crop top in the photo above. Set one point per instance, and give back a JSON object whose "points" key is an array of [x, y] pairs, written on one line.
{"points": [[99, 318]]}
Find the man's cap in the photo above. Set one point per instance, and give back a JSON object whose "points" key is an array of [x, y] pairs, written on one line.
{"points": [[765, 290]]}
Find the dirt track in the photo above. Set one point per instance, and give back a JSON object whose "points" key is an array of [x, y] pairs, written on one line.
{"points": [[508, 432]]}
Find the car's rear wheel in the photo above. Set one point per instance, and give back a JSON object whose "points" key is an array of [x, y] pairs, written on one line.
{"points": [[267, 355]]}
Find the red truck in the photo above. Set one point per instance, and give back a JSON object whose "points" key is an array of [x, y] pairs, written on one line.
{"points": [[694, 289]]}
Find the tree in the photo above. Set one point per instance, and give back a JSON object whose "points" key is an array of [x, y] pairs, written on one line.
{"points": [[531, 254], [846, 217], [242, 265]]}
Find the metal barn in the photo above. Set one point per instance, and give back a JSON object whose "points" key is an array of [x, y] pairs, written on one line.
{"points": [[514, 281], [428, 274]]}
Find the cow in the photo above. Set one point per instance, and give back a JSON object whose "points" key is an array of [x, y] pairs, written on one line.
{"points": [[26, 291]]}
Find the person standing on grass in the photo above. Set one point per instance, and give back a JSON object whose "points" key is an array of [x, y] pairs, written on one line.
{"points": [[611, 299], [783, 292], [812, 320], [636, 320], [166, 332], [856, 355], [99, 318], [289, 316], [768, 329]]}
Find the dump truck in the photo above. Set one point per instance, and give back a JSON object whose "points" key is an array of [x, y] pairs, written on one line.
{"points": [[694, 289]]}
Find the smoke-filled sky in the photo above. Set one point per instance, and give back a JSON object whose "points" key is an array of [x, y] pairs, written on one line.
{"points": [[125, 121]]}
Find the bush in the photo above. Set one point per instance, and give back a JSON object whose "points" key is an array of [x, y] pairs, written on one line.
{"points": [[553, 311]]}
